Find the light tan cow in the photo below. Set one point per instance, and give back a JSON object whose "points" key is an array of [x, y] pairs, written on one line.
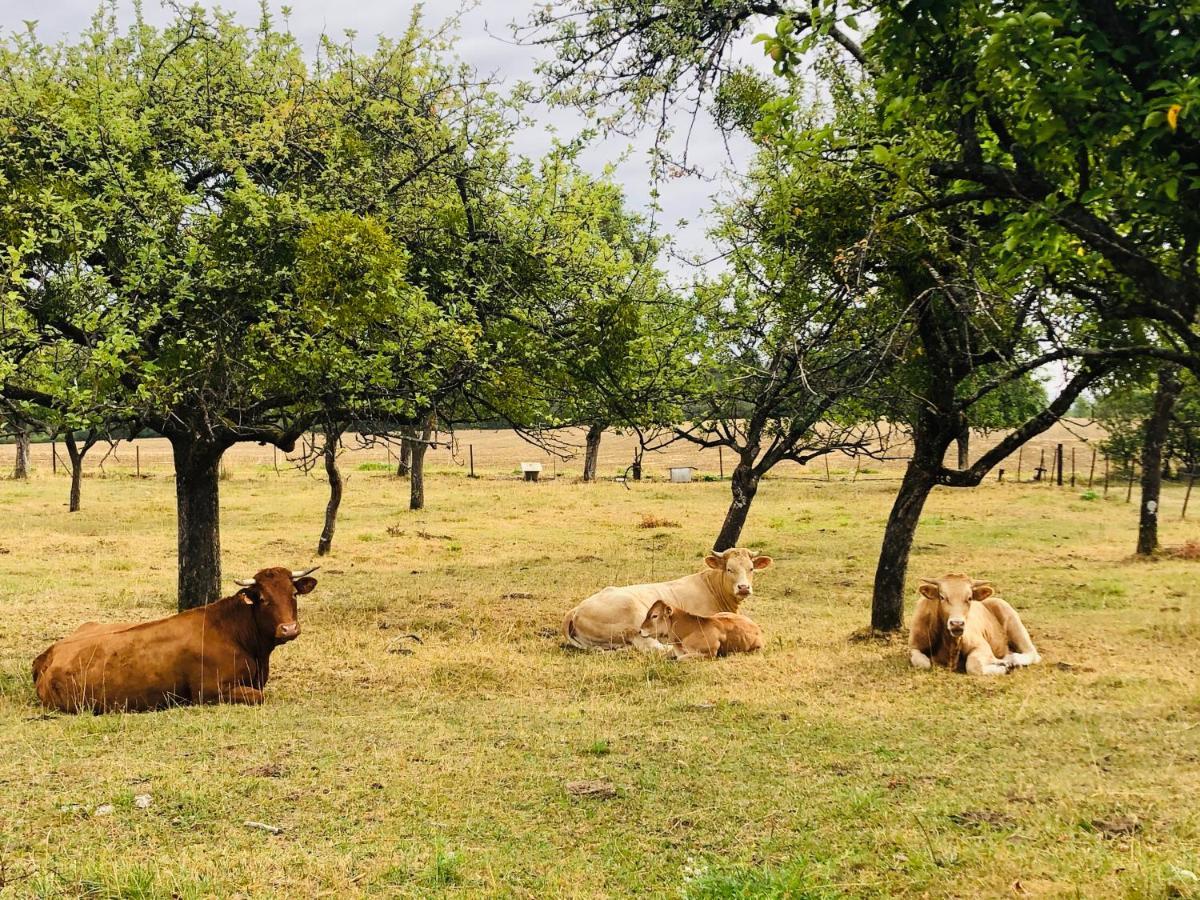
{"points": [[689, 636], [613, 617], [961, 625]]}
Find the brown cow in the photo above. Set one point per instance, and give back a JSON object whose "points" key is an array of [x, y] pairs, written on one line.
{"points": [[689, 636], [959, 624], [211, 654]]}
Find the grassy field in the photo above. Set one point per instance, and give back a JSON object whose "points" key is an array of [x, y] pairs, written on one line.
{"points": [[823, 767]]}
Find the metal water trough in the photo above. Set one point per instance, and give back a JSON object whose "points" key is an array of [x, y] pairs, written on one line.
{"points": [[682, 474], [531, 470]]}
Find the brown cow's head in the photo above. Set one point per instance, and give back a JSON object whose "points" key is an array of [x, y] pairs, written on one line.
{"points": [[272, 594], [954, 594], [657, 623], [738, 566]]}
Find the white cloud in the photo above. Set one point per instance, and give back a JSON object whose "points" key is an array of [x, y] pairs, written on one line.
{"points": [[485, 43]]}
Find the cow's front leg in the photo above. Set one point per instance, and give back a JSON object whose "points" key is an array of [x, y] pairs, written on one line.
{"points": [[1020, 660], [241, 694], [984, 662], [919, 660], [649, 645]]}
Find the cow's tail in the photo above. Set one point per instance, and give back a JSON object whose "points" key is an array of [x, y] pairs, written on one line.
{"points": [[569, 632]]}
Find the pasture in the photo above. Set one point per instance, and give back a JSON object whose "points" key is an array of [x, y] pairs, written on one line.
{"points": [[824, 767]]}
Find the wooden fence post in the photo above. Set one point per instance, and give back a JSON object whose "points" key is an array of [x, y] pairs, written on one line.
{"points": [[1059, 463], [1092, 470], [1072, 467], [1106, 475], [471, 455], [1129, 492], [137, 459], [1187, 495], [721, 460], [54, 457], [1020, 458]]}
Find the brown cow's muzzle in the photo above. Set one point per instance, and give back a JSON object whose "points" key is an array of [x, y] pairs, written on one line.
{"points": [[287, 631]]}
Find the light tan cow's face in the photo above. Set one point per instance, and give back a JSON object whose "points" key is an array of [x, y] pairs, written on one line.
{"points": [[737, 567], [954, 594]]}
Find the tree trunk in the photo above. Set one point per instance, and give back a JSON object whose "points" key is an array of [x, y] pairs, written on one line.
{"points": [[416, 499], [198, 511], [332, 437], [887, 602], [963, 439], [1155, 437], [744, 484], [592, 453], [75, 454], [404, 466], [21, 467]]}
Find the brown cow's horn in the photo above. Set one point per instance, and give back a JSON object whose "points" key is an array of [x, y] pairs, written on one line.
{"points": [[240, 582], [296, 575]]}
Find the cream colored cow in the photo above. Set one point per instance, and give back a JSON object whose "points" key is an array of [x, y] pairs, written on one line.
{"points": [[613, 617], [960, 625]]}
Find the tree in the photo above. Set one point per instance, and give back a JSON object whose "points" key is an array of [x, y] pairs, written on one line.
{"points": [[183, 229]]}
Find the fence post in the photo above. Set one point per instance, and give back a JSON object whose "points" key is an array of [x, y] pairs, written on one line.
{"points": [[137, 459], [275, 459], [1187, 495], [1129, 492], [471, 454], [1072, 467], [1092, 470], [54, 457], [1059, 463], [1106, 475], [1020, 458], [721, 460], [826, 458]]}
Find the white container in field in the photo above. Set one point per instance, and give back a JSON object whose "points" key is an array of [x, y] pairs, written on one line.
{"points": [[682, 474], [531, 470]]}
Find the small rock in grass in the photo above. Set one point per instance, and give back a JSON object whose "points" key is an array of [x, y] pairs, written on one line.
{"points": [[142, 801], [104, 809], [263, 826]]}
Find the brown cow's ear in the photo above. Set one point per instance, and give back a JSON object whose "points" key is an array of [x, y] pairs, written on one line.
{"points": [[305, 585], [249, 595], [668, 610], [931, 590], [762, 562], [982, 591], [714, 560]]}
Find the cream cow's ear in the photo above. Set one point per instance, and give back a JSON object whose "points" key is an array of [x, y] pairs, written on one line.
{"points": [[714, 560], [762, 562], [930, 588], [981, 590]]}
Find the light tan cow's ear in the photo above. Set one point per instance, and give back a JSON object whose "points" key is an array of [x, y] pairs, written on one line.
{"points": [[930, 588], [762, 562], [668, 610], [714, 560], [981, 590]]}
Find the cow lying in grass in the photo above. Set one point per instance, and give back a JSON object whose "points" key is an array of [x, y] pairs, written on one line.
{"points": [[613, 617], [689, 636], [215, 653], [959, 624]]}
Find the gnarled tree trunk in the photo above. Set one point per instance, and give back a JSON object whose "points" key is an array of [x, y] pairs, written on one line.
{"points": [[404, 466], [592, 451], [1155, 438], [332, 437], [76, 453], [198, 512], [887, 601], [21, 465], [744, 485], [963, 440], [416, 498]]}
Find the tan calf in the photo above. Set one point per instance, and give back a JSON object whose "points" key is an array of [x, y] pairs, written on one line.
{"points": [[689, 636], [961, 625]]}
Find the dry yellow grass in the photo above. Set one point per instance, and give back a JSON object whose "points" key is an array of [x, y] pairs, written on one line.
{"points": [[822, 767]]}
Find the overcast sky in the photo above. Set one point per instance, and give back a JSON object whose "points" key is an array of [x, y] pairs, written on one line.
{"points": [[486, 44]]}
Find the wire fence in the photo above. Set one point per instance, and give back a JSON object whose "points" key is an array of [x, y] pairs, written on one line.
{"points": [[1066, 456]]}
